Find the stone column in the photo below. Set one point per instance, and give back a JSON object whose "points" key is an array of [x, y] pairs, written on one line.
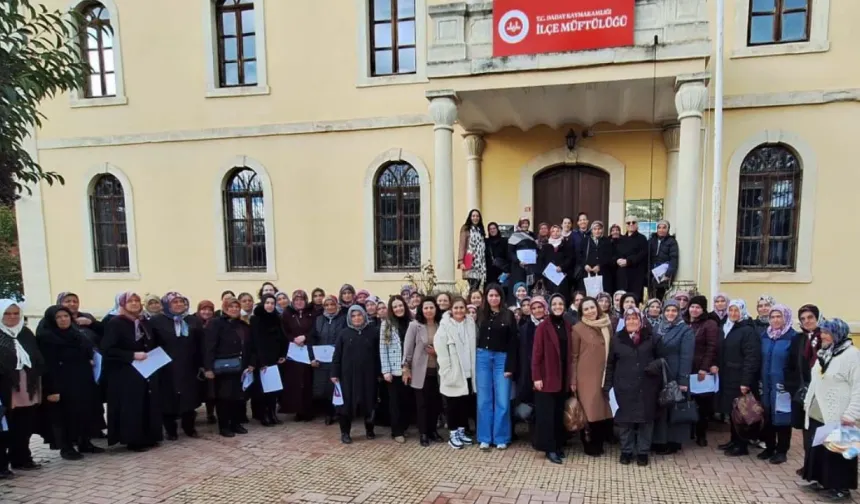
{"points": [[443, 110], [671, 138], [691, 98], [474, 151]]}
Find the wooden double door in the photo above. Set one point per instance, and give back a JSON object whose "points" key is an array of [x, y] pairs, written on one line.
{"points": [[565, 190]]}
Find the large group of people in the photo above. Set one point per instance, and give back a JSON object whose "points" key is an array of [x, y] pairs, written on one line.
{"points": [[512, 351]]}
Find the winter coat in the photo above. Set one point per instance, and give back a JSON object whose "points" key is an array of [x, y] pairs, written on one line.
{"points": [[451, 351], [496, 255], [707, 341], [298, 377], [326, 331], [353, 364], [631, 278], [391, 352], [415, 356], [223, 340], [798, 372], [740, 363], [663, 251], [562, 256], [268, 340], [589, 351], [600, 254], [525, 391], [836, 390], [521, 273], [634, 372], [774, 360], [180, 386], [676, 348], [548, 362]]}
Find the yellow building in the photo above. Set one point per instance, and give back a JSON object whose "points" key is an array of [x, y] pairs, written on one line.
{"points": [[219, 144]]}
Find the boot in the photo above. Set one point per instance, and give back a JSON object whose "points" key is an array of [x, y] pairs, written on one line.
{"points": [[273, 417], [69, 453]]}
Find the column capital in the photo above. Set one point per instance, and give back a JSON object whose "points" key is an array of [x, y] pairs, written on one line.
{"points": [[691, 95], [672, 137], [443, 108], [475, 144]]}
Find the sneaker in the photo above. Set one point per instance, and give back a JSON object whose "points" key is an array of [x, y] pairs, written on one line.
{"points": [[465, 439], [484, 446], [454, 441], [399, 439], [502, 446]]}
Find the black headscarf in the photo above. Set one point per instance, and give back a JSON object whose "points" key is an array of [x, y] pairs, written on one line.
{"points": [[51, 333]]}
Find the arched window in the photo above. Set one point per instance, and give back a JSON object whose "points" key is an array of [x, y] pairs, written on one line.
{"points": [[769, 192], [237, 45], [244, 221], [97, 47], [397, 218], [109, 230]]}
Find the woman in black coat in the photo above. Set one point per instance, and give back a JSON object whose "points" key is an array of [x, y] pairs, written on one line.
{"points": [[326, 329], [520, 271], [739, 369], [496, 254], [662, 249], [596, 257], [269, 349], [226, 358], [68, 382], [354, 366], [557, 252], [802, 356], [134, 402], [181, 335]]}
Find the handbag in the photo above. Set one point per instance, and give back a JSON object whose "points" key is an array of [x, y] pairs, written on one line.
{"points": [[671, 392], [593, 285], [229, 365], [524, 411], [574, 415], [684, 412]]}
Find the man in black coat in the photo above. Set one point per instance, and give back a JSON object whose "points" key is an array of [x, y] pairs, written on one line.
{"points": [[631, 256]]}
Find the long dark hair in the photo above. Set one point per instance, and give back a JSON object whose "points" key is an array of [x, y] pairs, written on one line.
{"points": [[260, 292], [395, 321], [589, 298], [484, 311], [419, 313], [468, 225]]}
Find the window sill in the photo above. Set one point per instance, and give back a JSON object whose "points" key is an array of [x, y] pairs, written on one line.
{"points": [[813, 46], [784, 277], [229, 92], [388, 276], [391, 80], [112, 276], [109, 101], [240, 276]]}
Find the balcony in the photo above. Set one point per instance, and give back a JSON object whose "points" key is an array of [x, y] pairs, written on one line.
{"points": [[461, 39]]}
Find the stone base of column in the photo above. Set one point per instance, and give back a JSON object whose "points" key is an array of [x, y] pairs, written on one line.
{"points": [[684, 286]]}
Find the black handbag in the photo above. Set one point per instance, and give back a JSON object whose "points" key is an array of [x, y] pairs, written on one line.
{"points": [[800, 395], [671, 392], [230, 365], [684, 412]]}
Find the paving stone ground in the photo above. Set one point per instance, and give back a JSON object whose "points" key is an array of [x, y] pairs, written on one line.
{"points": [[306, 463]]}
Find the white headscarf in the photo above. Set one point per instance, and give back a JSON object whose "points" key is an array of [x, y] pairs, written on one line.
{"points": [[13, 332], [740, 305]]}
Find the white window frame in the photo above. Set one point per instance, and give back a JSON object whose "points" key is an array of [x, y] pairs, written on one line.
{"points": [[227, 168], [806, 220], [210, 45], [78, 98], [362, 47], [819, 25], [394, 155], [90, 272]]}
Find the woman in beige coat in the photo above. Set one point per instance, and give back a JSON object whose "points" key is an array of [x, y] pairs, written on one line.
{"points": [[455, 343], [420, 369], [588, 370]]}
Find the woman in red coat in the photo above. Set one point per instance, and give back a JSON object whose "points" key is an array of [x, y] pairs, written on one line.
{"points": [[297, 396], [550, 364]]}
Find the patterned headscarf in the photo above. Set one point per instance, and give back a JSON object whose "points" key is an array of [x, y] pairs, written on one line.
{"points": [[123, 300], [299, 294], [115, 310], [786, 314], [838, 330], [770, 302], [654, 321], [180, 327], [721, 313], [228, 302], [741, 305], [638, 335], [62, 296]]}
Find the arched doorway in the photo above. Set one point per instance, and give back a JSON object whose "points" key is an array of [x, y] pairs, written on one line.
{"points": [[565, 190]]}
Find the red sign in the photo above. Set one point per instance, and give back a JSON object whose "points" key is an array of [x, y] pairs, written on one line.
{"points": [[546, 26]]}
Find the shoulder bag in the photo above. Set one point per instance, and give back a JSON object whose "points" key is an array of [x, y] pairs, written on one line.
{"points": [[684, 412], [229, 365], [671, 392]]}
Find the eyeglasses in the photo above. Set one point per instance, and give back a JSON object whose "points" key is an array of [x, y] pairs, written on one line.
{"points": [[631, 223]]}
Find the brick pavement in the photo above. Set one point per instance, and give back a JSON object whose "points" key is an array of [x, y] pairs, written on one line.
{"points": [[306, 463]]}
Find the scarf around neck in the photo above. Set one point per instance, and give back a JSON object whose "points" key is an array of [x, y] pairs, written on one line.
{"points": [[23, 358], [602, 324], [555, 242]]}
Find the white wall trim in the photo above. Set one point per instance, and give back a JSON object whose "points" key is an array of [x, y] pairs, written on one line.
{"points": [[582, 155], [210, 57], [271, 272], [394, 155], [89, 254], [362, 48], [77, 98], [806, 223], [818, 33]]}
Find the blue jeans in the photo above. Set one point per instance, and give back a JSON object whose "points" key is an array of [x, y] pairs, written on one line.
{"points": [[494, 398]]}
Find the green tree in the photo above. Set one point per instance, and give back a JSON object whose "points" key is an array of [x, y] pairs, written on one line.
{"points": [[38, 60], [11, 283]]}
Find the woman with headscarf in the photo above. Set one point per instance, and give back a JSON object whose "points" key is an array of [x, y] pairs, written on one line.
{"points": [[721, 308], [674, 343], [628, 300], [683, 299], [113, 312], [496, 254], [471, 252], [662, 249], [542, 234], [833, 398], [739, 369], [606, 305], [297, 396], [775, 346], [226, 359], [392, 335], [180, 334], [326, 328], [616, 303], [802, 357], [591, 338], [346, 297], [268, 350], [68, 379], [133, 402], [550, 366], [633, 370], [521, 272], [356, 353], [763, 308], [558, 254], [151, 305], [21, 369], [371, 306], [317, 298], [420, 369], [282, 302], [225, 295], [707, 333], [653, 312], [524, 384], [205, 313]]}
